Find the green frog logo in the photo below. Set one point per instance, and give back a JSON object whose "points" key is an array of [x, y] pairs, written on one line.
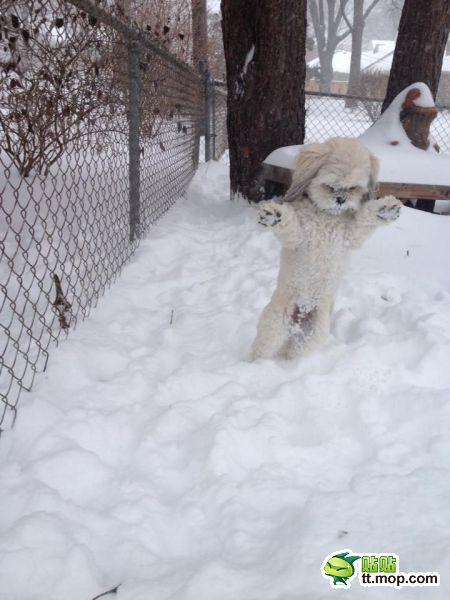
{"points": [[339, 567]]}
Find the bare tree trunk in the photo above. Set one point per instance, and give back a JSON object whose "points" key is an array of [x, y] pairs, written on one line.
{"points": [[264, 43], [355, 61], [326, 72], [420, 47], [199, 33], [327, 19]]}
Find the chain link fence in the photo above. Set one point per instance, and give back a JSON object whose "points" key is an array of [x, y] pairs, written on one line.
{"points": [[329, 115], [99, 135]]}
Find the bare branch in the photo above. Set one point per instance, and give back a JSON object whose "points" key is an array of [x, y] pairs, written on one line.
{"points": [[331, 22], [316, 21], [340, 12], [369, 9], [321, 12], [342, 36], [350, 26]]}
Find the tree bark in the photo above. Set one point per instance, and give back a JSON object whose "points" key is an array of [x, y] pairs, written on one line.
{"points": [[355, 61], [326, 72], [420, 47], [264, 42]]}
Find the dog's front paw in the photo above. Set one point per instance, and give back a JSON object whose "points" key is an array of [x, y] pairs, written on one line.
{"points": [[269, 214], [389, 209]]}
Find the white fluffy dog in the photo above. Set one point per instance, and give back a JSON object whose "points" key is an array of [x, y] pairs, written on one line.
{"points": [[328, 210]]}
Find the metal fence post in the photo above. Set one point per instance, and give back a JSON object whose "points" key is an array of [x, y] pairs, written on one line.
{"points": [[209, 93], [134, 122], [213, 118]]}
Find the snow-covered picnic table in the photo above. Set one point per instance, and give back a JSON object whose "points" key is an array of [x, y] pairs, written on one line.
{"points": [[405, 171]]}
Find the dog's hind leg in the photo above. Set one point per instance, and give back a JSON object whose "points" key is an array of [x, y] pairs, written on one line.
{"points": [[301, 330], [309, 329], [272, 331]]}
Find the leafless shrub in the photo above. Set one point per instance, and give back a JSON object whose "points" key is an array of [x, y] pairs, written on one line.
{"points": [[51, 83], [63, 75], [167, 21]]}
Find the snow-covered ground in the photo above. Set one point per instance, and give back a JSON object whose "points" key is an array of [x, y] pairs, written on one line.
{"points": [[152, 454]]}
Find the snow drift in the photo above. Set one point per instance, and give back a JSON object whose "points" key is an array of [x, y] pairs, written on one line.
{"points": [[154, 455]]}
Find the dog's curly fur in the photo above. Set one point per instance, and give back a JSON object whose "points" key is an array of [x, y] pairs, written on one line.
{"points": [[328, 210]]}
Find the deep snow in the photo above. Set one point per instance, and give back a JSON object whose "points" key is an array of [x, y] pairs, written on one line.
{"points": [[153, 454]]}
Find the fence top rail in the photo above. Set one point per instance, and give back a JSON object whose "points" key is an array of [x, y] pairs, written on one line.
{"points": [[352, 97], [133, 33], [341, 96]]}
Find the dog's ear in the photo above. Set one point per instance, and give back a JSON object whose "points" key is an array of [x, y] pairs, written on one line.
{"points": [[373, 175], [308, 164]]}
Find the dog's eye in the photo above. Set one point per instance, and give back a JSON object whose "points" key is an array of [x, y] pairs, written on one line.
{"points": [[330, 188], [353, 188]]}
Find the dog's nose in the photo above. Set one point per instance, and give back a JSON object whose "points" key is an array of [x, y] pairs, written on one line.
{"points": [[340, 199]]}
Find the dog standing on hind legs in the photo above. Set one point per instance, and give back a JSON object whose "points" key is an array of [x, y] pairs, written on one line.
{"points": [[328, 210]]}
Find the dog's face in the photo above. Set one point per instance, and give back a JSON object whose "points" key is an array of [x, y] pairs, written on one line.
{"points": [[335, 191], [337, 175]]}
